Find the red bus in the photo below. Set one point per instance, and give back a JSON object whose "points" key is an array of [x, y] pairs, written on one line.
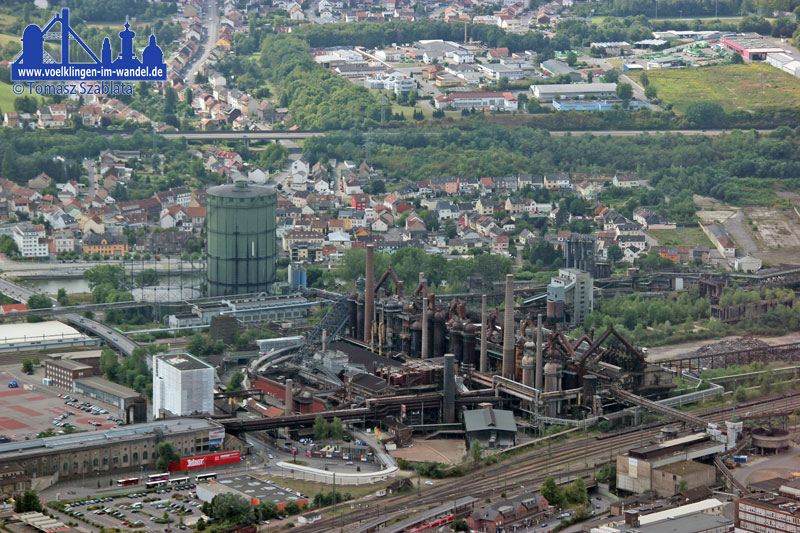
{"points": [[158, 477], [127, 481]]}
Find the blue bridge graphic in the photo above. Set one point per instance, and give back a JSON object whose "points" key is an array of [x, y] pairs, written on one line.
{"points": [[35, 64]]}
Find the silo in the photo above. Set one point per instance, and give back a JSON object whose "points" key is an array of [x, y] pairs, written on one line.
{"points": [[241, 248]]}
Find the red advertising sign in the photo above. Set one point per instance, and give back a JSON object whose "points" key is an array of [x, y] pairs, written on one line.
{"points": [[206, 461]]}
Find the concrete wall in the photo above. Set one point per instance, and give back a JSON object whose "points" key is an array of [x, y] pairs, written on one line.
{"points": [[666, 483]]}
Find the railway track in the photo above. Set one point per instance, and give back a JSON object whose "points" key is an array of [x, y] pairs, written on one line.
{"points": [[531, 469]]}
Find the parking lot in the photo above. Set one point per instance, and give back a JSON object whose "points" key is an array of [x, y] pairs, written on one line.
{"points": [[141, 511], [32, 407]]}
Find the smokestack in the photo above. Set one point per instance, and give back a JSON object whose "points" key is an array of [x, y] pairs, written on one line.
{"points": [[508, 329], [425, 325], [369, 295], [449, 389], [484, 360], [324, 340], [539, 362], [289, 407]]}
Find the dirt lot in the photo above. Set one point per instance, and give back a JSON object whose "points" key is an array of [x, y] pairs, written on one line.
{"points": [[775, 239], [448, 451], [24, 413], [777, 233]]}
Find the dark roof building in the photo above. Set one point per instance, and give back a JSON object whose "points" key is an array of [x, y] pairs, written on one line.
{"points": [[493, 428]]}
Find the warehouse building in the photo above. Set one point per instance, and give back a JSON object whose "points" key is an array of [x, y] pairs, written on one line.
{"points": [[661, 467], [130, 404], [40, 336], [182, 385], [493, 428], [751, 46], [480, 101], [572, 91], [126, 448], [252, 489], [63, 372]]}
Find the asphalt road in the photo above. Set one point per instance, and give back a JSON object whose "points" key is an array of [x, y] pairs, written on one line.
{"points": [[212, 30], [12, 290]]}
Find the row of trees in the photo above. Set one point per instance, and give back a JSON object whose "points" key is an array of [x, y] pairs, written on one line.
{"points": [[409, 262], [573, 494], [131, 372], [324, 430], [711, 166]]}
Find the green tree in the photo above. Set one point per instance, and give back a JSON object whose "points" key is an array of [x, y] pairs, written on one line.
{"points": [[27, 365], [39, 301], [166, 454], [475, 451], [644, 80], [113, 275], [650, 92], [705, 114], [336, 428], [235, 383], [28, 502], [572, 59], [8, 169], [615, 254], [552, 492], [8, 245], [737, 59], [232, 509], [740, 395], [624, 91], [62, 297], [146, 278], [321, 431], [682, 486], [576, 492]]}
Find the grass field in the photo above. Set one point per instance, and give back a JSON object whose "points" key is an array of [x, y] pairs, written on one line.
{"points": [[680, 237], [6, 97], [732, 86]]}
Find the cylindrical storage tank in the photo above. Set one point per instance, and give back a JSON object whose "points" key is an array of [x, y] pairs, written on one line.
{"points": [[469, 345], [456, 339], [416, 339], [241, 250], [439, 336]]}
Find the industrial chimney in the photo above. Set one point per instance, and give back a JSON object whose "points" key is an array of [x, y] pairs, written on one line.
{"points": [[539, 362], [425, 325], [289, 401], [484, 360], [508, 329], [369, 295]]}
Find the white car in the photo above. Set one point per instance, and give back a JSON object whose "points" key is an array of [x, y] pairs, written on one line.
{"points": [[429, 483]]}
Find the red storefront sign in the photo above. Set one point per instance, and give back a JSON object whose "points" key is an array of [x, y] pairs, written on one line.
{"points": [[206, 461]]}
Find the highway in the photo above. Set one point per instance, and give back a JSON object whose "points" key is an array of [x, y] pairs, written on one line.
{"points": [[17, 292], [113, 338]]}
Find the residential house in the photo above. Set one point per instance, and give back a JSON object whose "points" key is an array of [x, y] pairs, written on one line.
{"points": [[105, 244], [628, 181]]}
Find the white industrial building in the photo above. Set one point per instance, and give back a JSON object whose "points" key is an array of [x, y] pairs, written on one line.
{"points": [[182, 385], [574, 91], [29, 242]]}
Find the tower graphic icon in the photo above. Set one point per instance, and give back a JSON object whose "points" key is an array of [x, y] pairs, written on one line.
{"points": [[28, 65]]}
